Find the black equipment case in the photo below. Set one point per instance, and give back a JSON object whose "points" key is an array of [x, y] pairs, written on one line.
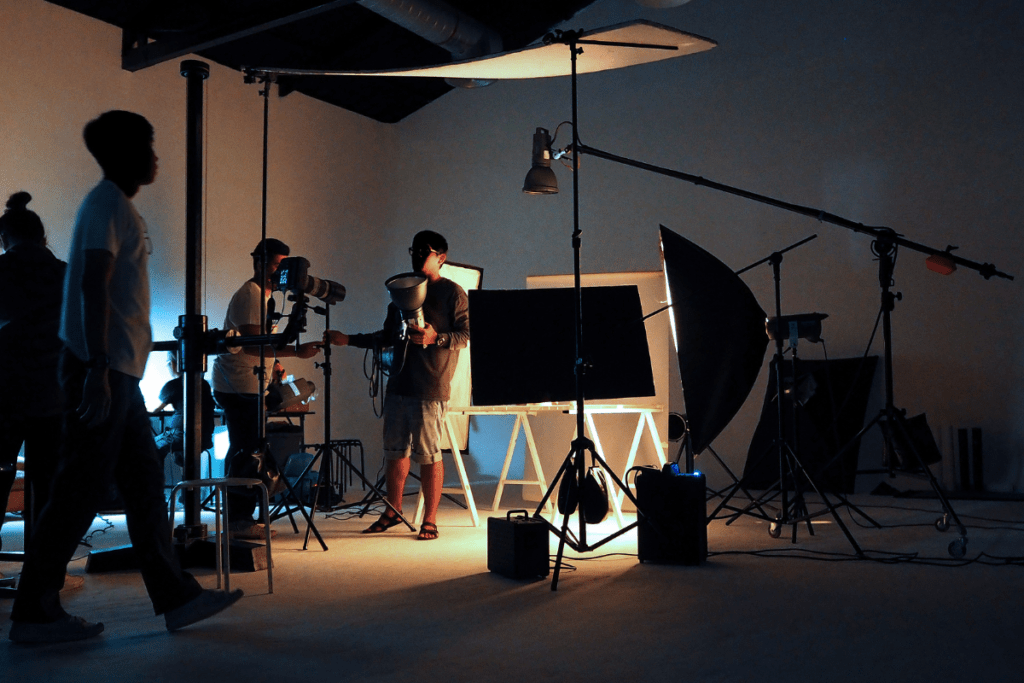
{"points": [[517, 547]]}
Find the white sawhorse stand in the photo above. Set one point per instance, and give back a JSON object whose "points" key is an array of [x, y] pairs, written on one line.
{"points": [[522, 413], [522, 423]]}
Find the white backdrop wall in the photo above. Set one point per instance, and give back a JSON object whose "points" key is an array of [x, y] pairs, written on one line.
{"points": [[903, 115]]}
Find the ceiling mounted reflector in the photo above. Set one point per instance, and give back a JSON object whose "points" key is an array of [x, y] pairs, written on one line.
{"points": [[547, 61]]}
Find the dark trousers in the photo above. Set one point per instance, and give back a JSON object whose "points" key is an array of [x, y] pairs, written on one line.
{"points": [[121, 450], [40, 435], [241, 414]]}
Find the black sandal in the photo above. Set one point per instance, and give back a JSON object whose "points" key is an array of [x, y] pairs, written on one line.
{"points": [[428, 532], [387, 520]]}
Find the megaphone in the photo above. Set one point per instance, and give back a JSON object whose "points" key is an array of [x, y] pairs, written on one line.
{"points": [[408, 292]]}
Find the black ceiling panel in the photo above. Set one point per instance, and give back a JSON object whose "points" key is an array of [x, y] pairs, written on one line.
{"points": [[336, 35]]}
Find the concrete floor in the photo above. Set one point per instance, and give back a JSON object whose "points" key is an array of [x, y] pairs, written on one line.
{"points": [[391, 608]]}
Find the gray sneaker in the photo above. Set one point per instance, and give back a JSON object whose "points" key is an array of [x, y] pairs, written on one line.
{"points": [[204, 605], [65, 629]]}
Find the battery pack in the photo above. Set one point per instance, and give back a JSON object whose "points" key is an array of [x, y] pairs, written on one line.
{"points": [[674, 530]]}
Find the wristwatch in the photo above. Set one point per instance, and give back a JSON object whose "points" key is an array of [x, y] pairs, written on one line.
{"points": [[441, 339]]}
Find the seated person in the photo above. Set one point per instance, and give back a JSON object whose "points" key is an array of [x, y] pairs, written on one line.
{"points": [[172, 438]]}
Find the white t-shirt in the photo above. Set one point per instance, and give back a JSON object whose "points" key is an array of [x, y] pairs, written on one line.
{"points": [[233, 373], [108, 220]]}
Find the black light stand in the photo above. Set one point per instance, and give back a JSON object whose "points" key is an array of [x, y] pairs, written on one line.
{"points": [[685, 453], [791, 469], [268, 80], [891, 419], [330, 449], [574, 464]]}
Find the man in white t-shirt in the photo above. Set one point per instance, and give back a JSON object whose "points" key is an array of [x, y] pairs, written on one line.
{"points": [[107, 437], [236, 384]]}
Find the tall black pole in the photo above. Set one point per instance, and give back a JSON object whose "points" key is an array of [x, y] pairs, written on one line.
{"points": [[784, 469], [578, 464], [574, 465], [262, 370], [191, 359], [885, 249]]}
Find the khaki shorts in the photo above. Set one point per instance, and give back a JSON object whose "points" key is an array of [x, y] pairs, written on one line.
{"points": [[412, 425]]}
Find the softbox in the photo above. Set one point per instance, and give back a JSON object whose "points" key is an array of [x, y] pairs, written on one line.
{"points": [[719, 332]]}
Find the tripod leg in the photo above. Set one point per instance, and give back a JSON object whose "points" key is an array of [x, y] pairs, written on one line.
{"points": [[736, 480], [957, 548], [832, 510], [763, 499], [845, 502], [374, 494], [568, 468], [292, 496], [309, 520], [554, 482], [561, 550], [798, 504]]}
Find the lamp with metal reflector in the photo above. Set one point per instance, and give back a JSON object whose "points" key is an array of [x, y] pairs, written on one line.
{"points": [[408, 292], [541, 179]]}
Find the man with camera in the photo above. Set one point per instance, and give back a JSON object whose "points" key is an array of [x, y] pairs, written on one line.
{"points": [[236, 384], [417, 395]]}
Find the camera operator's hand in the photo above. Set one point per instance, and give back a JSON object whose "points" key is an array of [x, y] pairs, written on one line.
{"points": [[95, 406], [335, 338], [278, 372], [307, 350], [425, 335]]}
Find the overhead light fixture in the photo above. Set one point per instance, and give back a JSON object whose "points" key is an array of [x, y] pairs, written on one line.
{"points": [[541, 179]]}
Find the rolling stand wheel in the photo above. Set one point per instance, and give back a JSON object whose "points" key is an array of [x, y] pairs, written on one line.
{"points": [[958, 548], [775, 529], [942, 523]]}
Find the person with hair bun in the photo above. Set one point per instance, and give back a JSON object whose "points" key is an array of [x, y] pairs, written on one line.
{"points": [[31, 279]]}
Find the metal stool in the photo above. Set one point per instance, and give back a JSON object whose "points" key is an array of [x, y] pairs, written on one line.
{"points": [[222, 535]]}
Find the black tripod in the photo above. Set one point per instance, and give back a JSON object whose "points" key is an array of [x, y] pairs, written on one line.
{"points": [[891, 419], [336, 450], [792, 473], [679, 430]]}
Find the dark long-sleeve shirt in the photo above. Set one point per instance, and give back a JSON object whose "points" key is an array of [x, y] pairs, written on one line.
{"points": [[427, 372], [31, 286]]}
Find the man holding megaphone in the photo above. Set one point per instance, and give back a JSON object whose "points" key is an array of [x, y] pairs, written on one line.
{"points": [[429, 319]]}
